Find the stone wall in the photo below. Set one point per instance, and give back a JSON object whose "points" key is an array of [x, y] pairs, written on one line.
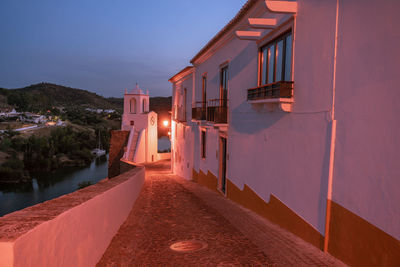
{"points": [[118, 142]]}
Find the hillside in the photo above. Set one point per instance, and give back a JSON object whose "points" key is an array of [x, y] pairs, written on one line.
{"points": [[161, 105], [45, 96]]}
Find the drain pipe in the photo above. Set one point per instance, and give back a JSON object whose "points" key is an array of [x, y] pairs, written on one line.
{"points": [[333, 139]]}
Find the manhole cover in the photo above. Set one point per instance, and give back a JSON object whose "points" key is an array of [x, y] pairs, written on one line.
{"points": [[188, 246]]}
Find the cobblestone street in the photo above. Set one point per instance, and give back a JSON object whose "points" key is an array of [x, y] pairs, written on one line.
{"points": [[171, 209]]}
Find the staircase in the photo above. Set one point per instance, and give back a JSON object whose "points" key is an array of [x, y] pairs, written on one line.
{"points": [[131, 150]]}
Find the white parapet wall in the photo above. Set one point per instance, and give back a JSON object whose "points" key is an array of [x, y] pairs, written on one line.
{"points": [[164, 156], [73, 230], [128, 147], [140, 149]]}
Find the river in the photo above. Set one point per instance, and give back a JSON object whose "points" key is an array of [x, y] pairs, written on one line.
{"points": [[49, 185]]}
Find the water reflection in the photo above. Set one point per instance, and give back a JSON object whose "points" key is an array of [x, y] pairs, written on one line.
{"points": [[16, 188], [35, 184], [49, 185]]}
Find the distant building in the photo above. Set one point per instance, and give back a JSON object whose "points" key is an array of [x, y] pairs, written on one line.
{"points": [[13, 113], [4, 111], [34, 118], [94, 110], [99, 110], [142, 124], [292, 111]]}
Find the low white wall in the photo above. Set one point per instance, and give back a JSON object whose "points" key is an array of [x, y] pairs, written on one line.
{"points": [[79, 236], [163, 156], [6, 254]]}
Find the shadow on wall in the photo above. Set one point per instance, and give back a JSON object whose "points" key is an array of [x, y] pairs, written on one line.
{"points": [[248, 121], [243, 60], [246, 60], [324, 180]]}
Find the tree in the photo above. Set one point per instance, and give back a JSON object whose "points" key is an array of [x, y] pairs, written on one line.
{"points": [[20, 100]]}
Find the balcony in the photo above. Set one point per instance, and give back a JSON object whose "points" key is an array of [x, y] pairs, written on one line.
{"points": [[278, 93], [217, 111], [179, 114], [199, 111], [275, 90]]}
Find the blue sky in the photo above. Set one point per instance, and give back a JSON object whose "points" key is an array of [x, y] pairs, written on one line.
{"points": [[105, 46]]}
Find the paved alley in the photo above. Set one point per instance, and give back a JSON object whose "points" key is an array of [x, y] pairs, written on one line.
{"points": [[171, 209]]}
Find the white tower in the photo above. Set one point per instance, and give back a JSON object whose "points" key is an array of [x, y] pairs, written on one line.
{"points": [[142, 124]]}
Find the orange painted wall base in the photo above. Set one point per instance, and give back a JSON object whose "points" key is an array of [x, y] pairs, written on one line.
{"points": [[352, 239], [209, 180], [275, 210], [357, 242]]}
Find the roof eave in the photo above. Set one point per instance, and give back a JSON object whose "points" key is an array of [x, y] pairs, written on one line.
{"points": [[184, 72], [246, 7]]}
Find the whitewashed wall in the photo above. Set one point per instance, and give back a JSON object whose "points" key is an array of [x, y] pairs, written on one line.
{"points": [[285, 154], [366, 179], [182, 135]]}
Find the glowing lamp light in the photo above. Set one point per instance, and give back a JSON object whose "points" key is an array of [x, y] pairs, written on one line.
{"points": [[169, 133], [165, 123]]}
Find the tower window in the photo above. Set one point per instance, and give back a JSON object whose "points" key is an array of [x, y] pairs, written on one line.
{"points": [[144, 106], [133, 105]]}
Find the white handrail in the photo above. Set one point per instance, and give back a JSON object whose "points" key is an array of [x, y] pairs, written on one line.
{"points": [[128, 147], [138, 144]]}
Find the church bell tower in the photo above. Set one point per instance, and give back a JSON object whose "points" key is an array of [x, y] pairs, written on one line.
{"points": [[142, 124]]}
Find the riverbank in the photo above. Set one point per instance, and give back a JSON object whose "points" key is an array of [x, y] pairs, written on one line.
{"points": [[68, 146], [48, 185], [13, 171]]}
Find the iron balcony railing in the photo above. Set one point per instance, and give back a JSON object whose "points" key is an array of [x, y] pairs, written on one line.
{"points": [[199, 111], [179, 114], [280, 89], [217, 111]]}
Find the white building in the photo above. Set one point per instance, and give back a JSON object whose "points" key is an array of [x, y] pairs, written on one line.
{"points": [[34, 118], [292, 111], [142, 124], [13, 113]]}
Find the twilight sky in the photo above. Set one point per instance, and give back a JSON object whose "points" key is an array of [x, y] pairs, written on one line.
{"points": [[105, 46]]}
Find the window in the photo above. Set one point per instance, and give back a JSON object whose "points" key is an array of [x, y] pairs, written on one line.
{"points": [[204, 91], [276, 60], [133, 105], [224, 86], [203, 144], [180, 107], [144, 106], [184, 105]]}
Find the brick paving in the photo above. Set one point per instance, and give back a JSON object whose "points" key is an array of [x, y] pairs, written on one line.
{"points": [[171, 209]]}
